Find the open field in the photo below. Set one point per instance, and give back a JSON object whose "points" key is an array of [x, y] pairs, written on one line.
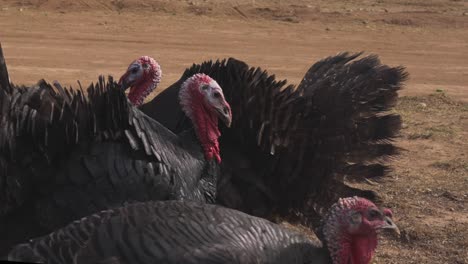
{"points": [[428, 191]]}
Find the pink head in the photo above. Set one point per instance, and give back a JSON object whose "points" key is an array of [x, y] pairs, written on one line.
{"points": [[350, 230], [203, 101], [142, 77]]}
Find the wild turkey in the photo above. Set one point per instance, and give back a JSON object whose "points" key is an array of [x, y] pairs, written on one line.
{"points": [[189, 232], [72, 155], [291, 149]]}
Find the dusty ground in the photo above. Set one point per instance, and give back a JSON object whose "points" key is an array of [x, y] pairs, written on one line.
{"points": [[429, 188], [428, 191]]}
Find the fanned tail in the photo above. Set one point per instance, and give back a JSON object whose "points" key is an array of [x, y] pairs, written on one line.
{"points": [[355, 129]]}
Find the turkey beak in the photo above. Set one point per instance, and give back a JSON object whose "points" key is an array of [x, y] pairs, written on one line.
{"points": [[123, 82], [225, 115], [390, 225]]}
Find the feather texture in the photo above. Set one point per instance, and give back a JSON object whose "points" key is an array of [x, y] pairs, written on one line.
{"points": [[171, 232], [66, 155], [191, 232]]}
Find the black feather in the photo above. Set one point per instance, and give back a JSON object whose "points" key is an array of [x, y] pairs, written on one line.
{"points": [[171, 232], [63, 165], [300, 143]]}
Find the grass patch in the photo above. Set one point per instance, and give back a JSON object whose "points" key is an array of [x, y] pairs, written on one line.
{"points": [[435, 102], [451, 165], [423, 131], [431, 116], [422, 135], [442, 130], [442, 165]]}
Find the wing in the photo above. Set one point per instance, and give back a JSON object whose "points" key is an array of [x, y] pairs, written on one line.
{"points": [[22, 110], [67, 120], [289, 149]]}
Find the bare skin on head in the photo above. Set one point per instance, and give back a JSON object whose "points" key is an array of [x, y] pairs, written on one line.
{"points": [[350, 230], [202, 100], [142, 77]]}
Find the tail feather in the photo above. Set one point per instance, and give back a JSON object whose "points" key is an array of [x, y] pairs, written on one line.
{"points": [[374, 128], [319, 69], [356, 127]]}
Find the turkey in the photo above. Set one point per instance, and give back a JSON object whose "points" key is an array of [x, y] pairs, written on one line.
{"points": [[190, 232], [66, 155], [292, 150]]}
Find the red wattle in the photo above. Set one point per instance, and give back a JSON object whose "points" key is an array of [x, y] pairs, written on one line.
{"points": [[139, 91], [363, 248], [206, 126]]}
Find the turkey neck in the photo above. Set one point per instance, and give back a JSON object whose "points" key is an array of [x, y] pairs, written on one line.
{"points": [[351, 249], [143, 88], [343, 247], [205, 123], [362, 249], [206, 128]]}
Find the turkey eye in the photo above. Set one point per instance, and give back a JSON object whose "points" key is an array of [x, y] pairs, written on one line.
{"points": [[204, 87], [134, 70], [217, 95], [374, 214], [356, 218]]}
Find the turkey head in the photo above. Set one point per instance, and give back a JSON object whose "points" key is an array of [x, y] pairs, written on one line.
{"points": [[142, 77], [350, 230], [202, 100]]}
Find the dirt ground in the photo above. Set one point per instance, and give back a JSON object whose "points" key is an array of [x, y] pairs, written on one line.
{"points": [[428, 191]]}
